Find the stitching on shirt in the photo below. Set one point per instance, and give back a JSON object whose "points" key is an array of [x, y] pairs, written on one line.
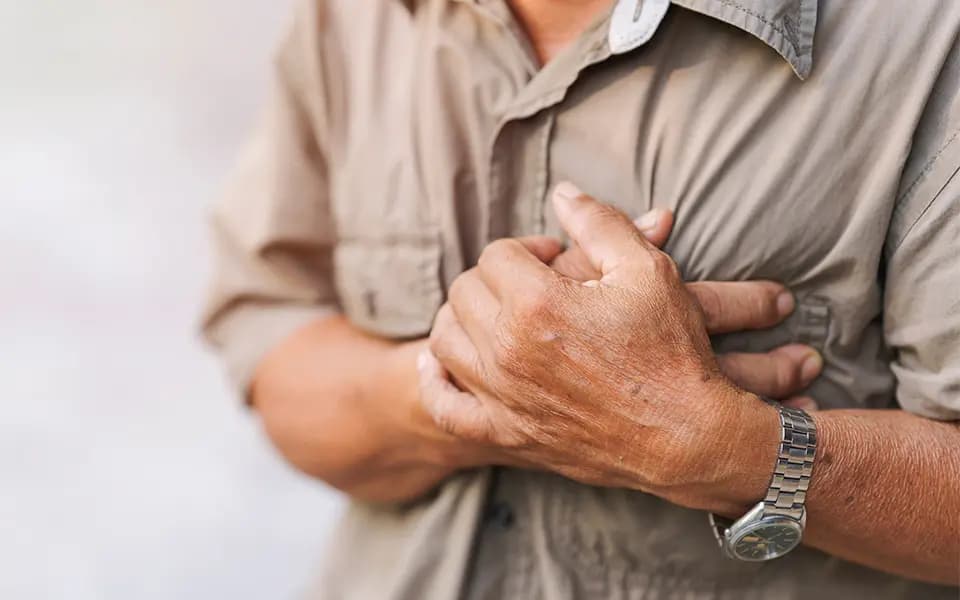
{"points": [[543, 168], [928, 167], [926, 170], [557, 93], [777, 28]]}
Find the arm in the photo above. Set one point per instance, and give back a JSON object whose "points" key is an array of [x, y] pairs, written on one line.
{"points": [[902, 471], [885, 490], [886, 486], [343, 407], [545, 358], [340, 405]]}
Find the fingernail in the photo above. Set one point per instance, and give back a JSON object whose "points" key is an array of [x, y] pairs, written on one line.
{"points": [[811, 368], [566, 193], [648, 222], [785, 304]]}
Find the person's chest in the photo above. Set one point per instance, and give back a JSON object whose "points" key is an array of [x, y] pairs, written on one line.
{"points": [[458, 141]]}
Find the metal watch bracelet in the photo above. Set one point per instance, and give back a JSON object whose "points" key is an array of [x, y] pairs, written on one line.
{"points": [[791, 475], [786, 494]]}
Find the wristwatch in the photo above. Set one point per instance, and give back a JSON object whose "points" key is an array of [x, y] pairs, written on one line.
{"points": [[775, 525]]}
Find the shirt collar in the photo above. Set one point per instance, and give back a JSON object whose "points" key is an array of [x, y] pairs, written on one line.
{"points": [[787, 26]]}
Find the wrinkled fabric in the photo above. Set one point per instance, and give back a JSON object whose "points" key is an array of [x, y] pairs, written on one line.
{"points": [[814, 143]]}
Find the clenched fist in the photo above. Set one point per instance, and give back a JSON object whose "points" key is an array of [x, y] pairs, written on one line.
{"points": [[610, 381]]}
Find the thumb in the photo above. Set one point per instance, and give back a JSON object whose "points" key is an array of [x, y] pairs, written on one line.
{"points": [[606, 235], [454, 411], [655, 225]]}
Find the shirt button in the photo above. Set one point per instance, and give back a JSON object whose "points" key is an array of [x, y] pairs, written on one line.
{"points": [[501, 514]]}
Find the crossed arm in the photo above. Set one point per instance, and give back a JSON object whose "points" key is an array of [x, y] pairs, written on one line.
{"points": [[885, 491], [345, 407], [537, 360]]}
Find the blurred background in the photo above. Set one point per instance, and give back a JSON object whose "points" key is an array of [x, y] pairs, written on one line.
{"points": [[127, 470]]}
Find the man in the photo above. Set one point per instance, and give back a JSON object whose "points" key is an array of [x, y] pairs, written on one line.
{"points": [[409, 141]]}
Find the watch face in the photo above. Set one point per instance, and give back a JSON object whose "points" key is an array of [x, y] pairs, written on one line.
{"points": [[766, 540]]}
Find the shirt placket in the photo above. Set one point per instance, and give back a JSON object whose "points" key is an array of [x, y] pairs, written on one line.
{"points": [[518, 167], [519, 149]]}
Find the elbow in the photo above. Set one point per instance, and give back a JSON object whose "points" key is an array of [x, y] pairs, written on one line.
{"points": [[345, 455], [313, 445]]}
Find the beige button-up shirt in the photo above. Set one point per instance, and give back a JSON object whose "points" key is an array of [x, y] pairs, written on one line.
{"points": [[814, 143]]}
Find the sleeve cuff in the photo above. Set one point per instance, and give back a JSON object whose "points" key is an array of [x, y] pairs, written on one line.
{"points": [[931, 395], [244, 335]]}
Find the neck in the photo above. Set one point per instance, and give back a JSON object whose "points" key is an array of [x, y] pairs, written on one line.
{"points": [[552, 25]]}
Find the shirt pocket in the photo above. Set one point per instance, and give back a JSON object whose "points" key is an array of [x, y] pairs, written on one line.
{"points": [[389, 287]]}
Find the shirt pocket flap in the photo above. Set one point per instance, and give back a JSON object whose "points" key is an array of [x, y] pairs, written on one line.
{"points": [[389, 288]]}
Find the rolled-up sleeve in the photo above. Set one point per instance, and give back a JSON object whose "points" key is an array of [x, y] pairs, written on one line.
{"points": [[922, 306], [272, 232]]}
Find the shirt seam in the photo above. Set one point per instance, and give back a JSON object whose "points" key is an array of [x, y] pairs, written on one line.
{"points": [[556, 94], [928, 167], [776, 28]]}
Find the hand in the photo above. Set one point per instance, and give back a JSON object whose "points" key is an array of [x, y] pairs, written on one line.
{"points": [[731, 309], [610, 382], [727, 307]]}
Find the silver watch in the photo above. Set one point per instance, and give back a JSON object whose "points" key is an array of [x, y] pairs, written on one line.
{"points": [[775, 525]]}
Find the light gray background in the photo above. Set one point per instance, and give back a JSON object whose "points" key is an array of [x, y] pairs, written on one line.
{"points": [[126, 469]]}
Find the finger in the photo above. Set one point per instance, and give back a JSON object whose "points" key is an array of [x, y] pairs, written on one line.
{"points": [[458, 413], [802, 402], [507, 266], [475, 308], [655, 225], [777, 374], [740, 305], [543, 247], [451, 345], [605, 234]]}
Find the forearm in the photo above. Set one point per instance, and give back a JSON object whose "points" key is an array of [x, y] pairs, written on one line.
{"points": [[885, 491], [342, 406]]}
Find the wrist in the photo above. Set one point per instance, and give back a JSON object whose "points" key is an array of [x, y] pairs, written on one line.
{"points": [[746, 457], [722, 460], [411, 429]]}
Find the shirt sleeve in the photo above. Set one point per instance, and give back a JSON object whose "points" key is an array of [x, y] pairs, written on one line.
{"points": [[272, 235], [922, 305]]}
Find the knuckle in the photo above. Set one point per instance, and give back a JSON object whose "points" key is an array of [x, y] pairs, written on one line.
{"points": [[510, 355], [729, 367], [450, 418], [608, 218], [447, 423], [456, 290], [605, 213], [477, 368], [442, 321], [787, 378], [711, 305], [535, 304], [438, 345], [507, 348], [664, 266], [764, 304], [596, 218], [494, 251]]}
